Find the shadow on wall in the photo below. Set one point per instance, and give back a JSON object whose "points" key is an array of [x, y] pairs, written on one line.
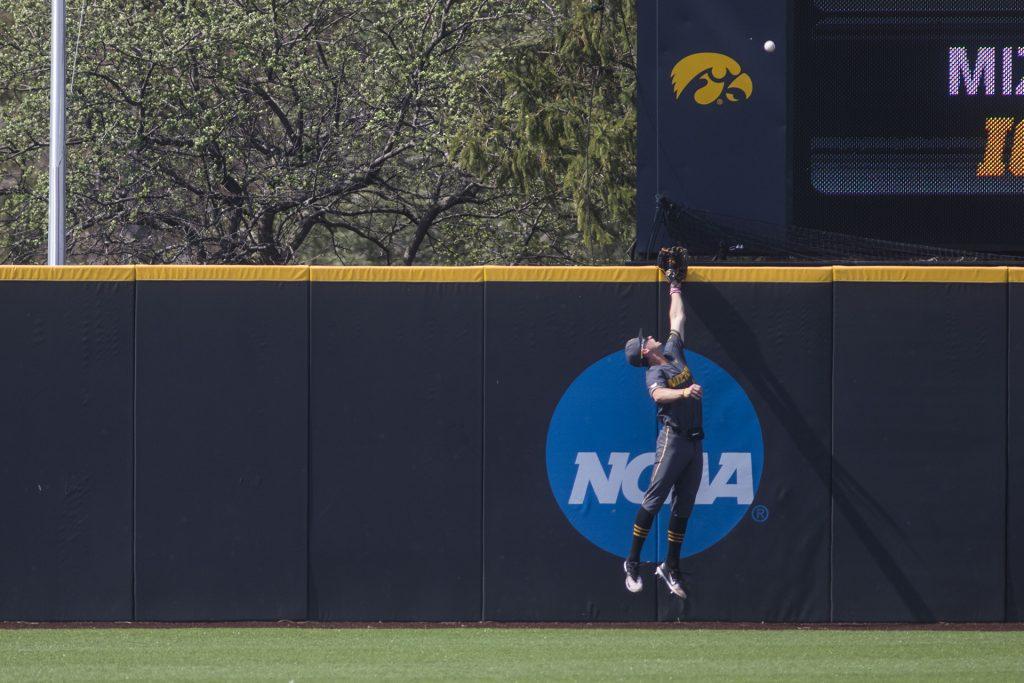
{"points": [[849, 497]]}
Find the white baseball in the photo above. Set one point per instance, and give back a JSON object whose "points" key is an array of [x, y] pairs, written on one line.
{"points": [[769, 46]]}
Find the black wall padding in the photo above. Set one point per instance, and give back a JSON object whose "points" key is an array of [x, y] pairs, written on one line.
{"points": [[66, 451], [190, 450], [919, 459], [775, 340], [1015, 453], [540, 336], [397, 451], [221, 450]]}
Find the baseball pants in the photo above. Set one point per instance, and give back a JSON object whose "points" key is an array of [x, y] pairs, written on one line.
{"points": [[677, 470]]}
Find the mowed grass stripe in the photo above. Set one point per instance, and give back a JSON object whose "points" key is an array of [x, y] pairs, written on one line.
{"points": [[225, 654]]}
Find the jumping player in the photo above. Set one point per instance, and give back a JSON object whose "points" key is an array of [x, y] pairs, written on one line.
{"points": [[679, 459]]}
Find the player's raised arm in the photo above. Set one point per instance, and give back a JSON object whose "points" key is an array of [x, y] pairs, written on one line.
{"points": [[673, 263], [676, 311]]}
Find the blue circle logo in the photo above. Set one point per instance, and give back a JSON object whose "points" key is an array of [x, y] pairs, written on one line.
{"points": [[600, 452]]}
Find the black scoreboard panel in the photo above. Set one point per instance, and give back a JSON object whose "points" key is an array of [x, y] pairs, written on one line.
{"points": [[907, 120]]}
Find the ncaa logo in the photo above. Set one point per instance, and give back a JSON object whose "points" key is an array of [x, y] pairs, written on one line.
{"points": [[600, 452]]}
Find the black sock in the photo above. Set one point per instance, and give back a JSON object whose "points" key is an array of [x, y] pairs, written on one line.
{"points": [[641, 527], [676, 531]]}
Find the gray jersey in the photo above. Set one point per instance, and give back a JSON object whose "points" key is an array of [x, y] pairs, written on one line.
{"points": [[685, 414]]}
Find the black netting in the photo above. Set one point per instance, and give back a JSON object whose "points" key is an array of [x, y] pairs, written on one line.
{"points": [[716, 237]]}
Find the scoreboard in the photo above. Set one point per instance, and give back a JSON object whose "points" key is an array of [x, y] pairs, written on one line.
{"points": [[900, 120], [907, 120]]}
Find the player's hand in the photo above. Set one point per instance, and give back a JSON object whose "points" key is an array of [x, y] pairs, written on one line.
{"points": [[694, 391]]}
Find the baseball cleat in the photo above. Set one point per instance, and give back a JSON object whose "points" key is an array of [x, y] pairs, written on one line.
{"points": [[670, 575], [634, 584]]}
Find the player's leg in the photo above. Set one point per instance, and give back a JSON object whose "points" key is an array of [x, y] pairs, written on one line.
{"points": [[684, 493], [641, 527], [662, 477]]}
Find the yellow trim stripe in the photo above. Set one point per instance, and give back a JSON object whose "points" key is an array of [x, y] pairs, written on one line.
{"points": [[758, 274], [397, 274], [571, 274], [69, 273], [642, 274], [608, 274], [965, 274], [235, 273]]}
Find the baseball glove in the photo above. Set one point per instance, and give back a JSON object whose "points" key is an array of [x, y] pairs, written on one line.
{"points": [[682, 257], [672, 261]]}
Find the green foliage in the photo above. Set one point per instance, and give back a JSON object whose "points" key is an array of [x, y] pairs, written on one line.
{"points": [[556, 117], [325, 131]]}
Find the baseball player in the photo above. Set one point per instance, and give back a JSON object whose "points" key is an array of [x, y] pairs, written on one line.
{"points": [[679, 456]]}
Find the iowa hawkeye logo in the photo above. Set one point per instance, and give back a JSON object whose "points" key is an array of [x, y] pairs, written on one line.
{"points": [[719, 74]]}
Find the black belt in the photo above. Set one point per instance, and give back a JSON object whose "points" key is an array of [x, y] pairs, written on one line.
{"points": [[693, 434]]}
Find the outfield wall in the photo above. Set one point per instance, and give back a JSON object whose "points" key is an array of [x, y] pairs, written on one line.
{"points": [[455, 444]]}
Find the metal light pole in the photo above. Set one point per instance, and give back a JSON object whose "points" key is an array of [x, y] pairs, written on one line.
{"points": [[55, 244]]}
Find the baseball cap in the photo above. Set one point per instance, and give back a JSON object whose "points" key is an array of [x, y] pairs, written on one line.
{"points": [[634, 350]]}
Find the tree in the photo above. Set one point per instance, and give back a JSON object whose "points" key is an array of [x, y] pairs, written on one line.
{"points": [[276, 131], [558, 118]]}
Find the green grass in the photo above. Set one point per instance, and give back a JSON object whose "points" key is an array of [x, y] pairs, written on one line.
{"points": [[291, 654]]}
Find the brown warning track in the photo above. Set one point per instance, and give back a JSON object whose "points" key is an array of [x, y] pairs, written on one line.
{"points": [[650, 625]]}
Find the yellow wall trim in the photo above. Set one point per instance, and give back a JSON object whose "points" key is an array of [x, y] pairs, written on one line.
{"points": [[759, 274], [652, 274], [571, 274], [966, 274], [397, 274], [608, 274], [238, 273], [69, 273]]}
